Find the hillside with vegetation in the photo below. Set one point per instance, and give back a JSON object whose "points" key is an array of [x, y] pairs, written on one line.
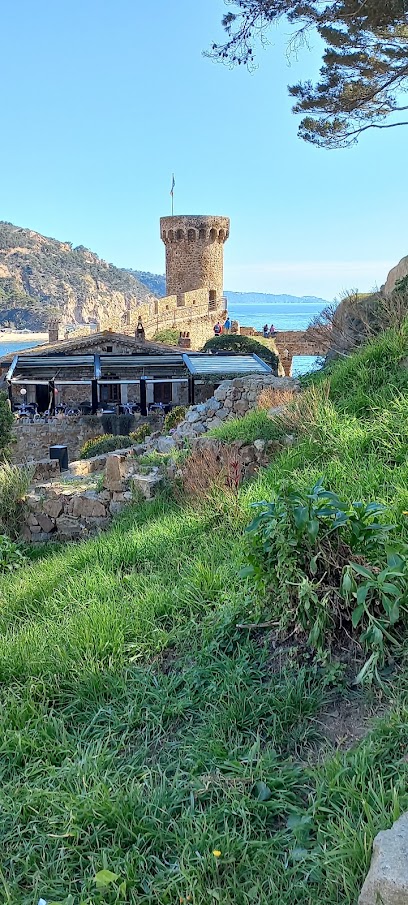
{"points": [[42, 277], [191, 712]]}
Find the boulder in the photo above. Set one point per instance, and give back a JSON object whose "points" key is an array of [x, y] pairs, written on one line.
{"points": [[69, 527], [165, 444], [387, 880]]}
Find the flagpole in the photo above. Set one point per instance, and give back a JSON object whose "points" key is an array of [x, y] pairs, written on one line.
{"points": [[172, 196]]}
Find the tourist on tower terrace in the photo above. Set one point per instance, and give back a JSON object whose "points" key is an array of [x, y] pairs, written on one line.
{"points": [[227, 324]]}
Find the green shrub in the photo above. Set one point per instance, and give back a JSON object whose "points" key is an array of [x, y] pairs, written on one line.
{"points": [[14, 484], [6, 423], [244, 345], [327, 568], [174, 417], [140, 434], [11, 557], [255, 425], [170, 337], [100, 445]]}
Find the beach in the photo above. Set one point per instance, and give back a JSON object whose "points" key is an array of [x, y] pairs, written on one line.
{"points": [[21, 336]]}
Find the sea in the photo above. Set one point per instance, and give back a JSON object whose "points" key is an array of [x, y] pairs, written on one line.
{"points": [[283, 315]]}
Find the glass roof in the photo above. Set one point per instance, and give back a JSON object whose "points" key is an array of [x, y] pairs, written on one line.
{"points": [[202, 365]]}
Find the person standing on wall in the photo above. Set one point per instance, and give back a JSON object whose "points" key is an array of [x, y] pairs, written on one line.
{"points": [[227, 324]]}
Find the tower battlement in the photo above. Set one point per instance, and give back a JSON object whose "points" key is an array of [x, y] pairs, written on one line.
{"points": [[195, 255]]}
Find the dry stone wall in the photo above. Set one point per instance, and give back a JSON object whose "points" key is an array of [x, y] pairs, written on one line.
{"points": [[232, 399]]}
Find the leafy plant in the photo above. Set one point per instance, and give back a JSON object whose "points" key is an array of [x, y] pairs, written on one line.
{"points": [[100, 445], [308, 552], [140, 434], [170, 337], [174, 417], [11, 557]]}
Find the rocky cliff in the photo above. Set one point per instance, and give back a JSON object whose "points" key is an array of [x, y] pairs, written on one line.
{"points": [[397, 273], [40, 277]]}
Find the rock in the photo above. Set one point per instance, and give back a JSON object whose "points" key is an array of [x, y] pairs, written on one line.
{"points": [[53, 507], [387, 879], [213, 404], [46, 523], [259, 445], [32, 520], [222, 414], [397, 273], [69, 527], [115, 507], [193, 416], [241, 407], [165, 444], [114, 470]]}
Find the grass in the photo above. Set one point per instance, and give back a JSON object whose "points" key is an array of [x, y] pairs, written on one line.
{"points": [[141, 730]]}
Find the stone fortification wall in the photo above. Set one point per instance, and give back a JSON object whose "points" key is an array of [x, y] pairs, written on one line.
{"points": [[194, 253]]}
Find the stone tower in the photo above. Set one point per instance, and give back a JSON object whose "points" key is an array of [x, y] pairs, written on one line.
{"points": [[195, 256]]}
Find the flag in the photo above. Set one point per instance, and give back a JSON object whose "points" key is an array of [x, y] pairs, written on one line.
{"points": [[172, 186]]}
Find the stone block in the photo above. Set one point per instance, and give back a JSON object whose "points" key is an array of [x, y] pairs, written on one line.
{"points": [[193, 416], [114, 470], [241, 407], [259, 445], [46, 523], [69, 527], [387, 880], [32, 520], [53, 507], [44, 470]]}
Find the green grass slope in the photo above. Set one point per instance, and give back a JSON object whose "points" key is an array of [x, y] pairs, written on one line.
{"points": [[141, 731]]}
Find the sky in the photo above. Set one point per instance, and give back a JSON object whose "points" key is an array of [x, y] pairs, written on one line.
{"points": [[103, 101]]}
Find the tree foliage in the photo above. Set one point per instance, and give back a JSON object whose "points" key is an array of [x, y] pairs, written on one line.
{"points": [[244, 345], [365, 61]]}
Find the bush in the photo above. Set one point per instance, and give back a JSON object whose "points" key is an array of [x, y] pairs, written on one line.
{"points": [[140, 433], [170, 337], [11, 557], [311, 558], [175, 417], [244, 345], [14, 484], [6, 423], [100, 445], [255, 425]]}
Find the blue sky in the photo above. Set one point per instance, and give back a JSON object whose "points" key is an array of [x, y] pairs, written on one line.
{"points": [[102, 101]]}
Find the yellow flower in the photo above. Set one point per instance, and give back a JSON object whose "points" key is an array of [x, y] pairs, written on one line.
{"points": [[216, 853]]}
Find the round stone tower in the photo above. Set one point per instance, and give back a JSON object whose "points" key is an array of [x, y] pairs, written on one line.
{"points": [[194, 255]]}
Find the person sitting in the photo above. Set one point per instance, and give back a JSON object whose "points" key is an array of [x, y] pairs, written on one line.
{"points": [[227, 325], [217, 329], [266, 331], [272, 331]]}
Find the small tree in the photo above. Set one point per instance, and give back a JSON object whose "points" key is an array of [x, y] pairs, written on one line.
{"points": [[6, 423]]}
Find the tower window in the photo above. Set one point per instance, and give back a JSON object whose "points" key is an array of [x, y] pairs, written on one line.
{"points": [[201, 233], [191, 235], [213, 235], [180, 234], [212, 300], [171, 235]]}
